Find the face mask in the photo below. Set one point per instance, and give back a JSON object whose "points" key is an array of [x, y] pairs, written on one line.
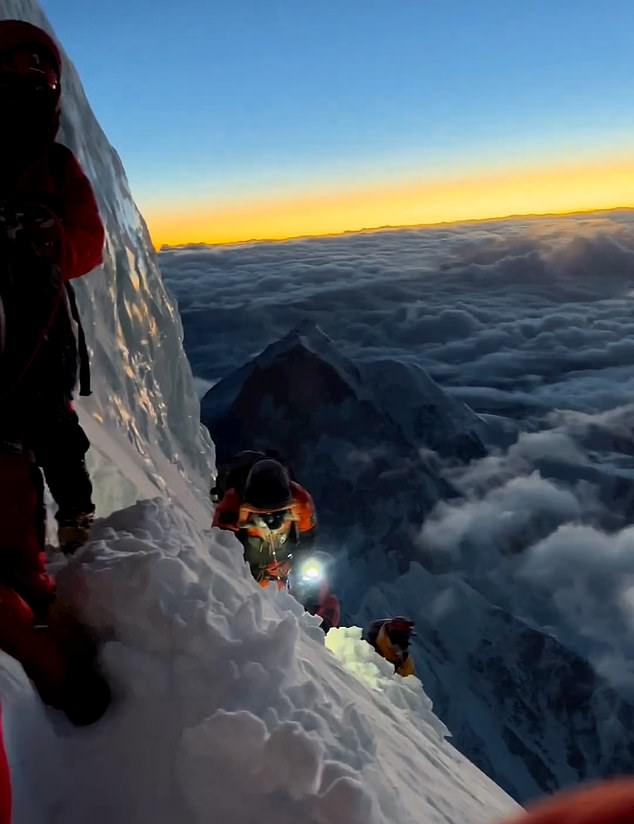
{"points": [[29, 93]]}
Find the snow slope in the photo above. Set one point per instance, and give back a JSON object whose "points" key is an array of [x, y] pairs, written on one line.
{"points": [[229, 707]]}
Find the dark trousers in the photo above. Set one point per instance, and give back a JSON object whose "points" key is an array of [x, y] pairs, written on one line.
{"points": [[60, 449]]}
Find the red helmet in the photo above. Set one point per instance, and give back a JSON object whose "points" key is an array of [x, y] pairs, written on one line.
{"points": [[30, 69]]}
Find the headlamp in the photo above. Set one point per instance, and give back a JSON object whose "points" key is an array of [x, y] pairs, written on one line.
{"points": [[311, 571]]}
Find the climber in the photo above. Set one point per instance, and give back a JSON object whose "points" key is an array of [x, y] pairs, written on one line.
{"points": [[50, 233], [274, 518], [309, 581], [390, 637], [36, 628]]}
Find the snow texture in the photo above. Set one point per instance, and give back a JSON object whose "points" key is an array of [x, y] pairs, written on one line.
{"points": [[229, 707]]}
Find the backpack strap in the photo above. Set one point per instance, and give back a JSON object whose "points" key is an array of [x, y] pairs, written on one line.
{"points": [[58, 159], [3, 327], [85, 388]]}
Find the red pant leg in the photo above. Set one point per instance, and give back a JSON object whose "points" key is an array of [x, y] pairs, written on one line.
{"points": [[330, 610], [22, 560], [35, 649]]}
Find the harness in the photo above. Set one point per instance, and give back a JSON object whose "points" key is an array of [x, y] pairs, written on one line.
{"points": [[26, 282], [270, 543]]}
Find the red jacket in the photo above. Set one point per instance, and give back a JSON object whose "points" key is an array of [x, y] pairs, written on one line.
{"points": [[56, 180], [231, 513], [264, 551], [610, 802], [49, 174]]}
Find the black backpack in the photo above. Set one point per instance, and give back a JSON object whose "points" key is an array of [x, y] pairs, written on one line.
{"points": [[42, 346]]}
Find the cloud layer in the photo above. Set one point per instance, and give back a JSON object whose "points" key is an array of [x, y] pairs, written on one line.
{"points": [[545, 530], [525, 315]]}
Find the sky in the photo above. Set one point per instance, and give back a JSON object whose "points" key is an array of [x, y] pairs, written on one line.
{"points": [[244, 119]]}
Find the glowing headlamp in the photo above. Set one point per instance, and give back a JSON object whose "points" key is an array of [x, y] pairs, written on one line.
{"points": [[311, 571]]}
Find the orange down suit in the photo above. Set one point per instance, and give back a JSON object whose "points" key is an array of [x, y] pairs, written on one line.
{"points": [[268, 554], [386, 649]]}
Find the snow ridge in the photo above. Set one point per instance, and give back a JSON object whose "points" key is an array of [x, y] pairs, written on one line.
{"points": [[229, 703]]}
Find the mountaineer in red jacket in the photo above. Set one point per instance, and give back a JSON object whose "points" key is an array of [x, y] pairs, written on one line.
{"points": [[275, 520], [36, 628], [50, 233]]}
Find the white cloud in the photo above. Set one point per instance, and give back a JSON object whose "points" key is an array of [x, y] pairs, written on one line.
{"points": [[587, 578], [503, 521], [544, 529], [532, 306]]}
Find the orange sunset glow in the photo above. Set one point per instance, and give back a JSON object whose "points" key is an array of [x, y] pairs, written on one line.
{"points": [[569, 188]]}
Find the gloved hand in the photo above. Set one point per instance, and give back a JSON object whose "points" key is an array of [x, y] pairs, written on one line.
{"points": [[34, 226]]}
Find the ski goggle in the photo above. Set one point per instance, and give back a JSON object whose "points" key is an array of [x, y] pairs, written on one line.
{"points": [[30, 66], [265, 520], [275, 520]]}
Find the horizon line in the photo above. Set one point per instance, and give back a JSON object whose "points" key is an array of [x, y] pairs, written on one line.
{"points": [[395, 228]]}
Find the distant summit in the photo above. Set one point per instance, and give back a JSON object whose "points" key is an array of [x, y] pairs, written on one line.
{"points": [[356, 434]]}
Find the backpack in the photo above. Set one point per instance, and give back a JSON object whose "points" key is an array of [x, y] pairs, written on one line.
{"points": [[42, 345]]}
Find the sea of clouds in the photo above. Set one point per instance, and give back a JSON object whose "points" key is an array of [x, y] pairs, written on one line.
{"points": [[527, 315], [530, 319]]}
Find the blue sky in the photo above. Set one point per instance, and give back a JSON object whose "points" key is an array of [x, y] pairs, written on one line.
{"points": [[230, 99]]}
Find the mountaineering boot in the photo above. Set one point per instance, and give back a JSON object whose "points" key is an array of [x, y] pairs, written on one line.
{"points": [[74, 531]]}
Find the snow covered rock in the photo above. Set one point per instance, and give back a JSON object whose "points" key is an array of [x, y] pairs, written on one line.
{"points": [[428, 416], [346, 434], [230, 707]]}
